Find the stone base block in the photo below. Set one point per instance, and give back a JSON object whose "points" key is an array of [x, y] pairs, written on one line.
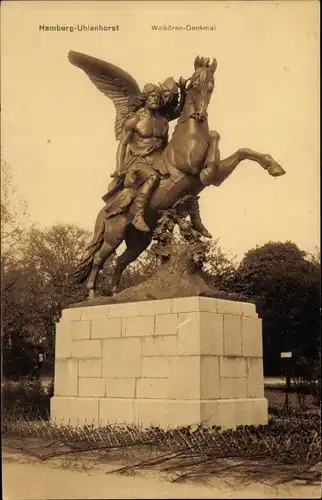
{"points": [[168, 363], [226, 413], [74, 411]]}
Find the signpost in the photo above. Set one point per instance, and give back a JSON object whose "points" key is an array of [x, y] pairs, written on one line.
{"points": [[287, 370]]}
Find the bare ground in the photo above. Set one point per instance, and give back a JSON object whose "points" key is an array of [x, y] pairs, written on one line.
{"points": [[90, 476]]}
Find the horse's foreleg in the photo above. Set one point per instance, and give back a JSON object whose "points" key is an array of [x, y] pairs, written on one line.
{"points": [[212, 161], [217, 174], [136, 242], [264, 160]]}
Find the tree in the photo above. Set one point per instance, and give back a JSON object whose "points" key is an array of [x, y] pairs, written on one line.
{"points": [[140, 270], [285, 284], [13, 210], [42, 290], [219, 267], [13, 219]]}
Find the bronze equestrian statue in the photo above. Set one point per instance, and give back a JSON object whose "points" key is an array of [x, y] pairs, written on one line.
{"points": [[152, 173]]}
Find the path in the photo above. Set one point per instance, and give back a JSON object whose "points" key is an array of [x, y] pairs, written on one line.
{"points": [[25, 478]]}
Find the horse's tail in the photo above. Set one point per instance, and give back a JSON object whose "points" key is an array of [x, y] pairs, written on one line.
{"points": [[83, 269]]}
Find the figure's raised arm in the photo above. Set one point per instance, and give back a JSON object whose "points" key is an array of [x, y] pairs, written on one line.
{"points": [[183, 93], [173, 104]]}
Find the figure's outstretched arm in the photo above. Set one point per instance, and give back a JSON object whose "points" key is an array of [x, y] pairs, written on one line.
{"points": [[178, 110]]}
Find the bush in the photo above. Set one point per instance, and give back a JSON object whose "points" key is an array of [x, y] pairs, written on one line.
{"points": [[27, 397], [306, 377]]}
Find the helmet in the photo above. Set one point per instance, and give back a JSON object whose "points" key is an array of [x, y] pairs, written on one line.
{"points": [[170, 85]]}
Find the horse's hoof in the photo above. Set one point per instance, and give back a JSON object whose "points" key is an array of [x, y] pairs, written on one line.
{"points": [[205, 233], [91, 294], [200, 228], [111, 292], [276, 170], [272, 167]]}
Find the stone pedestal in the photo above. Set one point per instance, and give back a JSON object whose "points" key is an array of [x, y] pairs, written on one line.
{"points": [[167, 363]]}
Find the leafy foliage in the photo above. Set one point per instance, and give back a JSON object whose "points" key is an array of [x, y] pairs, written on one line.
{"points": [[13, 210], [41, 274], [26, 397], [140, 270], [219, 267], [286, 286], [306, 377]]}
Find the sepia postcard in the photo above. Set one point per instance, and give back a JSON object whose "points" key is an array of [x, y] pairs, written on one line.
{"points": [[125, 126]]}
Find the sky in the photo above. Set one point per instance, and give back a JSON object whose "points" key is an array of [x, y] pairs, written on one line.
{"points": [[58, 130]]}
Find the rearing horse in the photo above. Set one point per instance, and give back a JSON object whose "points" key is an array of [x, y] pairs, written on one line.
{"points": [[193, 161]]}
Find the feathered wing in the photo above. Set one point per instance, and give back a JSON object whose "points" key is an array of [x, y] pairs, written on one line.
{"points": [[112, 81]]}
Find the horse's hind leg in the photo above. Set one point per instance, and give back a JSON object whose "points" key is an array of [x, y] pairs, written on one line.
{"points": [[100, 257], [114, 233], [136, 242]]}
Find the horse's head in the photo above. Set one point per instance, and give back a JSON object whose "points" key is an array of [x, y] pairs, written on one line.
{"points": [[200, 87]]}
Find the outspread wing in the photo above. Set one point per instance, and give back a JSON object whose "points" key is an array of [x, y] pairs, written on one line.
{"points": [[112, 81]]}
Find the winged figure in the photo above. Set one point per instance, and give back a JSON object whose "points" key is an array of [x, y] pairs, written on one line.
{"points": [[141, 126], [154, 173]]}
